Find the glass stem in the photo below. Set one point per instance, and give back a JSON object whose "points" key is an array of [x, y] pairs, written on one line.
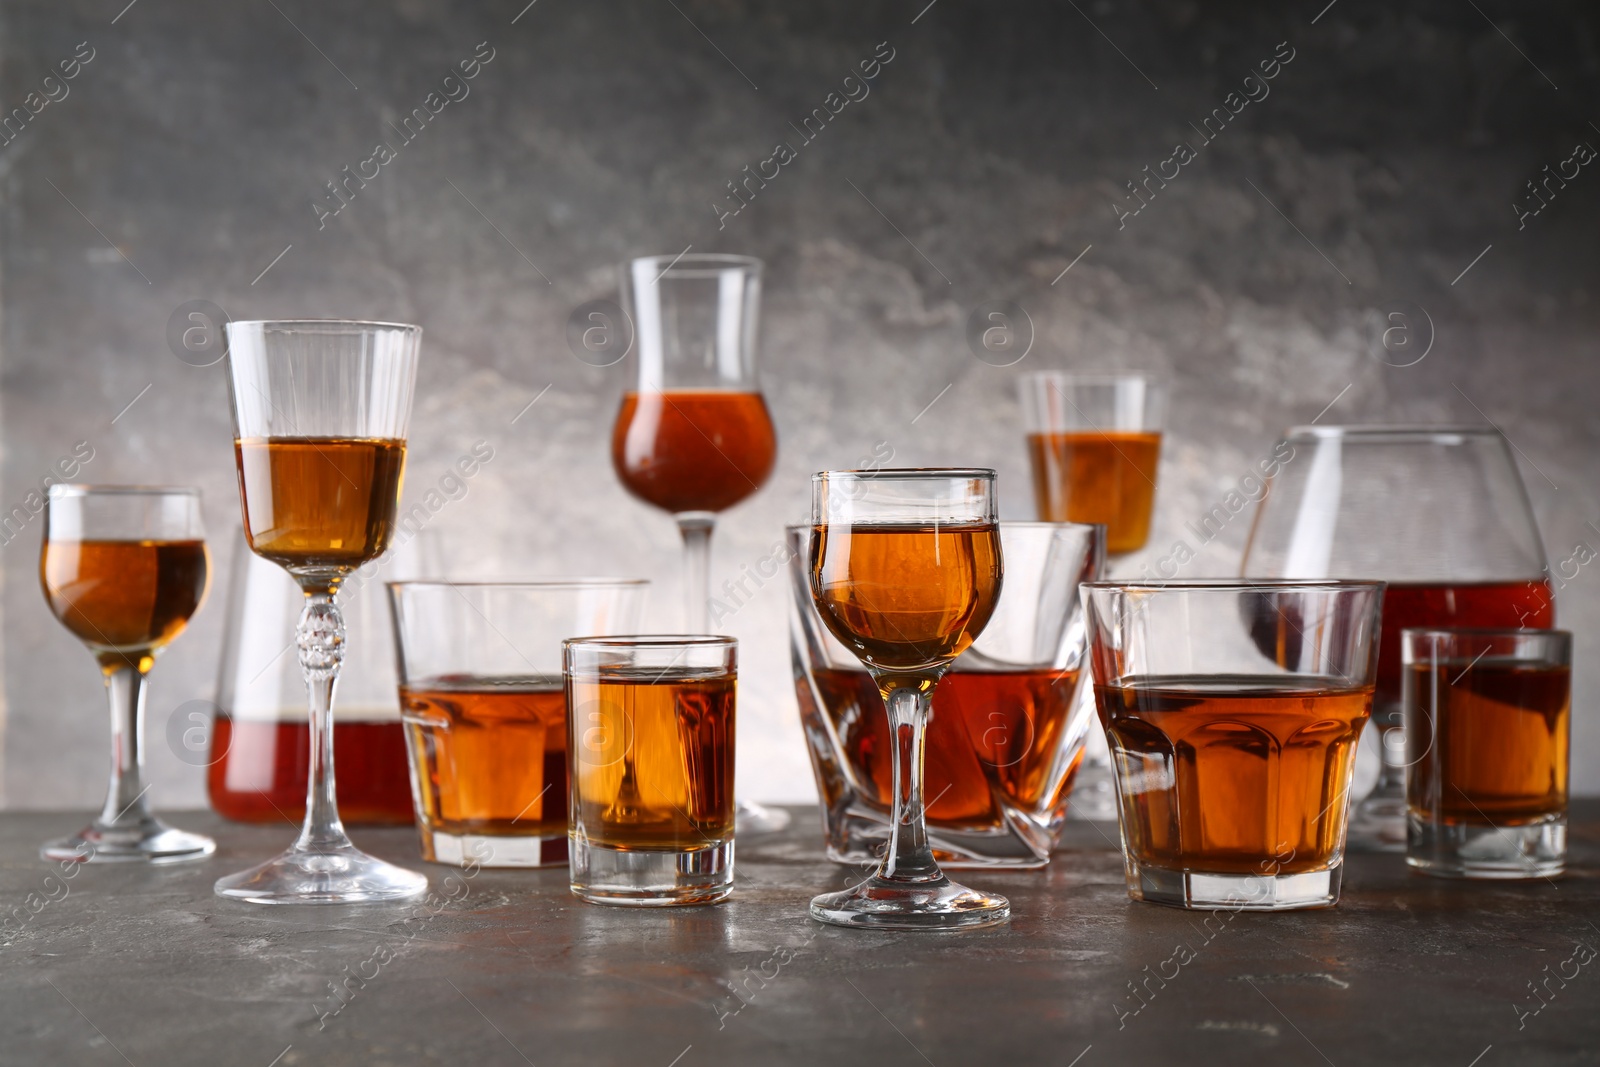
{"points": [[696, 527], [125, 796], [320, 635], [909, 859]]}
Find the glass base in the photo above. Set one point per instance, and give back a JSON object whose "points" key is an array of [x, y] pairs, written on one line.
{"points": [[1457, 850], [147, 841], [488, 850], [752, 818], [341, 874], [632, 878], [857, 836], [880, 904], [1235, 892]]}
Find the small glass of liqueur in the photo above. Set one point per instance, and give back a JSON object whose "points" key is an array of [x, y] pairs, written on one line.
{"points": [[1007, 733], [650, 760], [1234, 710], [485, 709], [321, 409], [1488, 728], [124, 568], [1094, 444], [905, 571], [694, 436], [1094, 447], [1440, 514]]}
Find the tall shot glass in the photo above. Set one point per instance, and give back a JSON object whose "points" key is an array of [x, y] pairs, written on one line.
{"points": [[1488, 719], [1233, 710], [650, 759]]}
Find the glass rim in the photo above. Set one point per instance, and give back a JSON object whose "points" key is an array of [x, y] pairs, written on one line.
{"points": [[1008, 523], [325, 325], [653, 641], [1418, 431], [1519, 633], [87, 489], [694, 264], [908, 473], [519, 583], [1241, 585], [1095, 377]]}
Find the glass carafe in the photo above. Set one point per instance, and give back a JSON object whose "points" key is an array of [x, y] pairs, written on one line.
{"points": [[260, 744]]}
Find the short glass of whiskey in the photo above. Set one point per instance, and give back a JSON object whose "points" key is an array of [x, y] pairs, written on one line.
{"points": [[485, 713], [1233, 710], [650, 739], [1488, 726]]}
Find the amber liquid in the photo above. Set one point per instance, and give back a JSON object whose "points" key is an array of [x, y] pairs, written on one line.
{"points": [[684, 450], [261, 766], [653, 757], [1488, 741], [990, 745], [1492, 605], [1234, 775], [906, 597], [491, 755], [124, 599], [319, 503], [1093, 476]]}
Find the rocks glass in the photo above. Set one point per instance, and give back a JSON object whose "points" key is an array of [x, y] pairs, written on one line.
{"points": [[1233, 710]]}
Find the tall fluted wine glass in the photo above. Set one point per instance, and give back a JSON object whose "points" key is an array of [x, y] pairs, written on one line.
{"points": [[1439, 513], [694, 436], [124, 568], [905, 571], [320, 411]]}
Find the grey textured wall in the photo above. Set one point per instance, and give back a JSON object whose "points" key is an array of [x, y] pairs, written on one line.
{"points": [[187, 154]]}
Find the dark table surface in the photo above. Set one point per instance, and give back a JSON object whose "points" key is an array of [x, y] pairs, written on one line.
{"points": [[147, 967]]}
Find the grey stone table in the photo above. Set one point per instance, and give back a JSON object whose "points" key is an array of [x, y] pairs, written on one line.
{"points": [[147, 967]]}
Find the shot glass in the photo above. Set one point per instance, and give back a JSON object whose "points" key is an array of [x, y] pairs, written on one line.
{"points": [[650, 761], [1487, 720], [1094, 442], [1233, 710], [485, 713]]}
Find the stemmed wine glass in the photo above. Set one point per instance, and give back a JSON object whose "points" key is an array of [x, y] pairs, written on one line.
{"points": [[1438, 512], [694, 437], [320, 414], [905, 571], [125, 568]]}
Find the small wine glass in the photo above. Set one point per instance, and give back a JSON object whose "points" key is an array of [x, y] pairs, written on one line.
{"points": [[320, 413], [1440, 514], [125, 568], [695, 437], [905, 571]]}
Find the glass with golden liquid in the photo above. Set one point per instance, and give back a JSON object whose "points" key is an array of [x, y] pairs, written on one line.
{"points": [[124, 568], [1094, 444], [321, 409], [1233, 711], [1007, 730], [650, 743], [1488, 721], [905, 572], [484, 709]]}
